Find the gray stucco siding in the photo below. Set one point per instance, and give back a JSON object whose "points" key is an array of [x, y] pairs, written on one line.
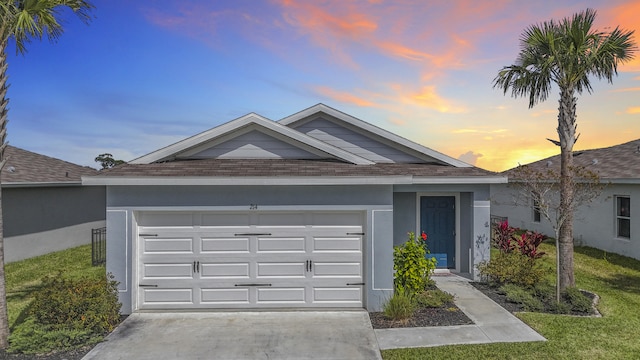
{"points": [[140, 196], [28, 210]]}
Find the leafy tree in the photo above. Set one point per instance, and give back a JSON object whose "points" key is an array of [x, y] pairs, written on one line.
{"points": [[541, 188], [23, 21], [107, 161], [566, 53]]}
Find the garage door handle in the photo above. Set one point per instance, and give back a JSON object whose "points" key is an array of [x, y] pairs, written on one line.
{"points": [[355, 233], [349, 284], [148, 235], [141, 285], [252, 285], [253, 234]]}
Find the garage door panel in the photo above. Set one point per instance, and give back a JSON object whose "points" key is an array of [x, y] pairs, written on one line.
{"points": [[224, 296], [281, 270], [167, 271], [337, 295], [168, 245], [281, 244], [337, 244], [337, 270], [281, 295], [225, 244], [225, 270], [277, 219], [168, 296]]}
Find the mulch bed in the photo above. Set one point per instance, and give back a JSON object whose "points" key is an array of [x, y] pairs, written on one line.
{"points": [[447, 315]]}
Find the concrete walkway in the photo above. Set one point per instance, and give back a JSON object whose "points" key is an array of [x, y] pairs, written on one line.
{"points": [[492, 323]]}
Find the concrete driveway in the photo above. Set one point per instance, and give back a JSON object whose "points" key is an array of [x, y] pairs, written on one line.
{"points": [[241, 335]]}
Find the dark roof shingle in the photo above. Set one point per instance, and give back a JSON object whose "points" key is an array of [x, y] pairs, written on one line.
{"points": [[28, 167], [284, 167], [614, 162]]}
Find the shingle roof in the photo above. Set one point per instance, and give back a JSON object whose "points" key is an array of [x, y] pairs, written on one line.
{"points": [[26, 167], [281, 167], [614, 162]]}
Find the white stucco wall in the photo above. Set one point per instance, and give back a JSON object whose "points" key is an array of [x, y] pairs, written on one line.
{"points": [[594, 223]]}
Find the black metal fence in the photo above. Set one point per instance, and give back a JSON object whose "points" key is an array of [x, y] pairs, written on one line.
{"points": [[99, 246]]}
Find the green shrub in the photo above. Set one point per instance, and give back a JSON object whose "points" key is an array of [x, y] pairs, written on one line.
{"points": [[32, 338], [513, 268], [578, 301], [400, 306], [560, 307], [433, 298], [412, 268], [522, 296], [77, 304]]}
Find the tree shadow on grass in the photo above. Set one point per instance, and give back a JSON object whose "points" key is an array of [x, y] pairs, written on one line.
{"points": [[624, 282], [21, 294]]}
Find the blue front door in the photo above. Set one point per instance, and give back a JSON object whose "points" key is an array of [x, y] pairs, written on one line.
{"points": [[438, 221]]}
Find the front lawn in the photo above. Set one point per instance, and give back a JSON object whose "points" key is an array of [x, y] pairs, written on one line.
{"points": [[615, 278]]}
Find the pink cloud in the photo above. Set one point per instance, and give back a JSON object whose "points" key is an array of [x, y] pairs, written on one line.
{"points": [[343, 97]]}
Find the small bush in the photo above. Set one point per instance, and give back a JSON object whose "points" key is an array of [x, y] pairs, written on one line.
{"points": [[578, 301], [528, 244], [400, 306], [412, 268], [522, 296], [513, 268], [504, 239], [77, 304], [433, 298], [560, 307]]}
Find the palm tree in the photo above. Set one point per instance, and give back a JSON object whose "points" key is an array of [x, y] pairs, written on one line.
{"points": [[23, 21], [567, 53]]}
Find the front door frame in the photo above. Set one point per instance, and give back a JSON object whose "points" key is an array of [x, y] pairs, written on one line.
{"points": [[457, 220]]}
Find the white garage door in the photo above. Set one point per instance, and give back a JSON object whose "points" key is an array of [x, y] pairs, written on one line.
{"points": [[249, 260]]}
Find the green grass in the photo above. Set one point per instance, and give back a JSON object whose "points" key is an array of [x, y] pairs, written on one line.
{"points": [[615, 278], [23, 278]]}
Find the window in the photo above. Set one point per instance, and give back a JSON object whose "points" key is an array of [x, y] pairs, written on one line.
{"points": [[623, 217], [536, 211]]}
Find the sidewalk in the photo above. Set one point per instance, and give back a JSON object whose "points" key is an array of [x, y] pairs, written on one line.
{"points": [[492, 323]]}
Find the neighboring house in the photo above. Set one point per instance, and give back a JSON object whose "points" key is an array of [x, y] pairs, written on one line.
{"points": [[299, 213], [610, 221], [45, 208]]}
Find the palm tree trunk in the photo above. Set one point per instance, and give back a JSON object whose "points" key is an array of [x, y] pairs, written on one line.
{"points": [[4, 101], [567, 132]]}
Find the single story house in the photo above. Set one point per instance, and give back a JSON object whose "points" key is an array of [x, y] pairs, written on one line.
{"points": [[297, 213], [45, 208], [605, 223]]}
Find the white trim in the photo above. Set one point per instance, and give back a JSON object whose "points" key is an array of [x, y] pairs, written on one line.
{"points": [[255, 120], [289, 120], [460, 180], [457, 225], [285, 180]]}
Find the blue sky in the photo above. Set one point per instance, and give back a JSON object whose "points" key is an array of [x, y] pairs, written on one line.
{"points": [[144, 74]]}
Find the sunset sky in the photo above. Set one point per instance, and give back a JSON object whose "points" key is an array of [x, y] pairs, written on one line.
{"points": [[145, 74]]}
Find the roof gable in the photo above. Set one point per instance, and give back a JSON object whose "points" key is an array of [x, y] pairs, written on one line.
{"points": [[371, 142], [266, 139]]}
